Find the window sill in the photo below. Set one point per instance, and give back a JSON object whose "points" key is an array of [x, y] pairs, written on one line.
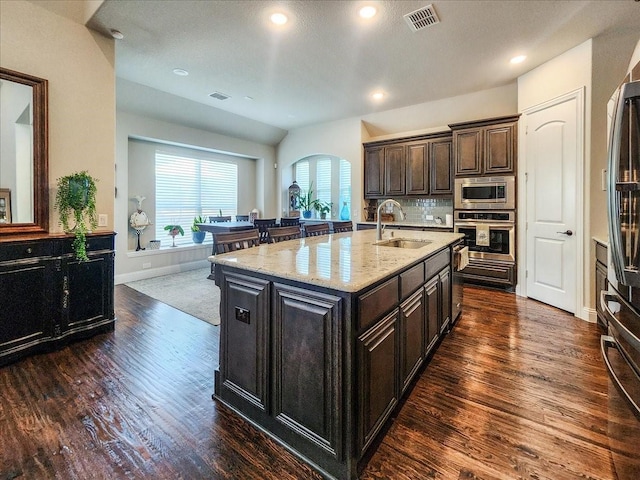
{"points": [[169, 250]]}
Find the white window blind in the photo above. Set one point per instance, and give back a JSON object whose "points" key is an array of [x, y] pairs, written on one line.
{"points": [[323, 180], [187, 186], [301, 174]]}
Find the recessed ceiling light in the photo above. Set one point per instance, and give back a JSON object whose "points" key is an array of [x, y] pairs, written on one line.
{"points": [[377, 95], [117, 34], [518, 59], [279, 18], [181, 72], [368, 11]]}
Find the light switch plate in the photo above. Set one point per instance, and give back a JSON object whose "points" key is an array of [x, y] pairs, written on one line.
{"points": [[103, 220]]}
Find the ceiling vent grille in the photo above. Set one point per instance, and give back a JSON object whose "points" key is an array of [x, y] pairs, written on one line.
{"points": [[219, 95], [422, 18]]}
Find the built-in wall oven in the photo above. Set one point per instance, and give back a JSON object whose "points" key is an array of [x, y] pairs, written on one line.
{"points": [[485, 193], [489, 235]]}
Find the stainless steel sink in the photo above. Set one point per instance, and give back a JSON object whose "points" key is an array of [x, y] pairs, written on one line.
{"points": [[403, 243]]}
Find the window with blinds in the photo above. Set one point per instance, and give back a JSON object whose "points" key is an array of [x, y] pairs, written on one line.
{"points": [[187, 186], [331, 178]]}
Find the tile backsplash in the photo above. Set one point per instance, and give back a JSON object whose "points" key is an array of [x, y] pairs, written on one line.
{"points": [[417, 209]]}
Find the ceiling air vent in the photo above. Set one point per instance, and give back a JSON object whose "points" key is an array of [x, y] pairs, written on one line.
{"points": [[219, 95], [422, 18]]}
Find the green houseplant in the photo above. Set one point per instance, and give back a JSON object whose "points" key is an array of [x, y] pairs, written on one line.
{"points": [[306, 202], [76, 198], [323, 208], [196, 234], [174, 230]]}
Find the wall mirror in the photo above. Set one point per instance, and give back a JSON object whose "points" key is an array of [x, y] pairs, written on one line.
{"points": [[24, 164]]}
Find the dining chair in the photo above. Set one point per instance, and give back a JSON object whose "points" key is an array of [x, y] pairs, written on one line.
{"points": [[339, 227], [242, 218], [263, 225], [290, 221], [316, 229], [232, 241], [279, 234], [220, 219]]}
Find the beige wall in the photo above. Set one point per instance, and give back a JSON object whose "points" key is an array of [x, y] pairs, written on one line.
{"points": [[258, 191], [36, 41]]}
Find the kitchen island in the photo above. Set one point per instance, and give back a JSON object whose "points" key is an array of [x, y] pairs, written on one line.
{"points": [[321, 337]]}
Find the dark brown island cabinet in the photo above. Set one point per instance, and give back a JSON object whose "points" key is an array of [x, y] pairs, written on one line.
{"points": [[318, 357], [48, 298], [413, 166]]}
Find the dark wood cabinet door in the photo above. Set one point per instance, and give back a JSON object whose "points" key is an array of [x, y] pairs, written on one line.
{"points": [[468, 151], [245, 318], [394, 170], [418, 169], [307, 375], [373, 172], [500, 149], [432, 312], [441, 167], [411, 337], [27, 310], [445, 299], [377, 377]]}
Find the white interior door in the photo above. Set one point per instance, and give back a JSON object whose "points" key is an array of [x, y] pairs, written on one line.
{"points": [[553, 150]]}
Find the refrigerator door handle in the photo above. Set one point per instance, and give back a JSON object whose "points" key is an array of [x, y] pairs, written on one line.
{"points": [[605, 343]]}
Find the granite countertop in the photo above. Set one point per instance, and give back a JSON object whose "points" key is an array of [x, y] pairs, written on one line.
{"points": [[410, 224], [346, 262]]}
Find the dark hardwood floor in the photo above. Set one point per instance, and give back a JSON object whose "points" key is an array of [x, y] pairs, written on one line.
{"points": [[516, 390]]}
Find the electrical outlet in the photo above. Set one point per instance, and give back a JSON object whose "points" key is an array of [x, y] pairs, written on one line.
{"points": [[429, 217], [146, 265], [103, 220]]}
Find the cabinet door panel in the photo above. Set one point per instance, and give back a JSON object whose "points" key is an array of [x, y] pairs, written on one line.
{"points": [[432, 312], [500, 149], [418, 169], [441, 167], [85, 291], [307, 376], [374, 172], [411, 337], [468, 152], [377, 378], [245, 323], [26, 312], [394, 170], [445, 299]]}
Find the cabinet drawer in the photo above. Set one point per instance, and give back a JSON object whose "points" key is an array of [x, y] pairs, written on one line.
{"points": [[94, 243], [19, 251], [376, 302], [437, 263], [601, 253], [411, 280]]}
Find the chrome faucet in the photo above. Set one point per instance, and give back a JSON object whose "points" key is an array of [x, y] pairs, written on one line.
{"points": [[379, 221]]}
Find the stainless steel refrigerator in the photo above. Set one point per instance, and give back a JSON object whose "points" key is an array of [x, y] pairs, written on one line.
{"points": [[621, 304]]}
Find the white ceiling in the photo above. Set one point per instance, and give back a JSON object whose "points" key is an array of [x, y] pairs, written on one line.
{"points": [[324, 64]]}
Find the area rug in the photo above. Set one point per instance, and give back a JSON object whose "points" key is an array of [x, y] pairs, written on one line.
{"points": [[189, 291]]}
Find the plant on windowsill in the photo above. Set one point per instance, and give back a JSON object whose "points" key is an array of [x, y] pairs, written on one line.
{"points": [[306, 202], [196, 234], [173, 231], [76, 197], [323, 208]]}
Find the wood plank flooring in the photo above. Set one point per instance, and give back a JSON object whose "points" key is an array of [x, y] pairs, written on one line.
{"points": [[516, 390]]}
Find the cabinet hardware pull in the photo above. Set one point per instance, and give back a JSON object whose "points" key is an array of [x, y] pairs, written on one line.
{"points": [[29, 250]]}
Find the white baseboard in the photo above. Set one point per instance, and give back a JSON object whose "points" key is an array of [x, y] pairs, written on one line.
{"points": [[157, 272], [590, 315]]}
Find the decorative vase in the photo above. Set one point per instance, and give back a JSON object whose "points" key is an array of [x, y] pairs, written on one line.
{"points": [[173, 234], [344, 213], [306, 213], [323, 215], [198, 237]]}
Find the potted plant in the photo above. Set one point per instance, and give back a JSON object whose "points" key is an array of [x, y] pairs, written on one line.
{"points": [[76, 197], [306, 202], [173, 231], [323, 208], [196, 234]]}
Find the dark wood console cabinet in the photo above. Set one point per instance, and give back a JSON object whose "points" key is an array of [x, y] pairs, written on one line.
{"points": [[48, 298]]}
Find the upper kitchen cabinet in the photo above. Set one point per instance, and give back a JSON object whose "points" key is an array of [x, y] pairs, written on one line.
{"points": [[485, 147], [416, 166]]}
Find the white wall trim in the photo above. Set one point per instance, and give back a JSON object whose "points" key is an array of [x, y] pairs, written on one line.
{"points": [[590, 315], [521, 288], [157, 272]]}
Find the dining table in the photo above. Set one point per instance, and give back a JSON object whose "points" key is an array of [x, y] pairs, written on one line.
{"points": [[222, 227]]}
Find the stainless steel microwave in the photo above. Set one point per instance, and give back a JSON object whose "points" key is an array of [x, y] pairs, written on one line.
{"points": [[486, 193]]}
